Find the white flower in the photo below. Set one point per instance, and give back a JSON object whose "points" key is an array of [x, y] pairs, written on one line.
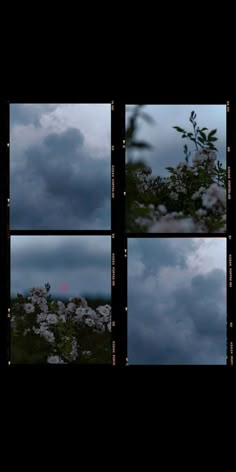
{"points": [[61, 308], [79, 313], [83, 302], [71, 307], [205, 155], [44, 332], [105, 313], [62, 317], [174, 195], [43, 307], [162, 209], [109, 326], [180, 167], [82, 312], [86, 353], [55, 360], [29, 308], [104, 310], [214, 195], [41, 317], [38, 291], [43, 301], [74, 350], [173, 225], [89, 322], [201, 212], [100, 326], [52, 318], [198, 193]]}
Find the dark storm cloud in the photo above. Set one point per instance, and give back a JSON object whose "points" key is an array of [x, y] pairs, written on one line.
{"points": [[183, 325], [25, 114], [164, 253], [61, 186], [67, 255], [82, 263]]}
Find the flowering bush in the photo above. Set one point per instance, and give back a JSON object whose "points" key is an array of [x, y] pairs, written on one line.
{"points": [[46, 330], [191, 199]]}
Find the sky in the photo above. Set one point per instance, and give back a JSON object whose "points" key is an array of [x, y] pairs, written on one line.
{"points": [[177, 301], [167, 142], [60, 166], [72, 265]]}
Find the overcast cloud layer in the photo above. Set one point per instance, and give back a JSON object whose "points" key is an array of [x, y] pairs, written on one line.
{"points": [[60, 166], [177, 301], [72, 265], [167, 142]]}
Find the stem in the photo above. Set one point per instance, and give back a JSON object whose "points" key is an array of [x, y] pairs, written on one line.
{"points": [[194, 129]]}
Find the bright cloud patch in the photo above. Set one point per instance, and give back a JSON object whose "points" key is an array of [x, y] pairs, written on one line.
{"points": [[177, 303]]}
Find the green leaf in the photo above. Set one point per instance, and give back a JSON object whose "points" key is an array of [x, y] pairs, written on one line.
{"points": [[212, 139], [212, 132], [201, 140], [140, 145], [180, 130], [203, 135], [204, 129]]}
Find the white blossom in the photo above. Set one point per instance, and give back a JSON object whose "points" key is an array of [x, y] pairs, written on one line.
{"points": [[213, 196], [205, 155], [173, 225], [162, 209], [52, 318], [100, 326], [44, 332], [201, 212], [29, 308], [74, 349], [41, 317], [86, 353], [89, 322], [55, 360], [71, 307]]}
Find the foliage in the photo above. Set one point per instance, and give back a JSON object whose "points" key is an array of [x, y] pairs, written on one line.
{"points": [[191, 199], [44, 330]]}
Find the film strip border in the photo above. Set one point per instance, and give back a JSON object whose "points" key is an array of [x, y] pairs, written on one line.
{"points": [[7, 233], [119, 237], [231, 205]]}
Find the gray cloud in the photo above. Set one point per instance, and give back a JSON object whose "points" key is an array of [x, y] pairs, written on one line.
{"points": [[59, 185], [183, 324], [82, 262], [25, 114]]}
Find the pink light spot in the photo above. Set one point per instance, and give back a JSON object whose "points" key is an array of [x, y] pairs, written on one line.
{"points": [[64, 287]]}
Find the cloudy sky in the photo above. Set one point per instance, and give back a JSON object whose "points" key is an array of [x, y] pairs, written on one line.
{"points": [[72, 265], [177, 301], [167, 142], [60, 166]]}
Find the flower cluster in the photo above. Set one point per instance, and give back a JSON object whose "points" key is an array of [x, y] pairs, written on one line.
{"points": [[59, 324], [191, 199]]}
